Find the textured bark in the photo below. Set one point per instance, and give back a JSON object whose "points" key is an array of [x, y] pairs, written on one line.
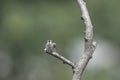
{"points": [[90, 45]]}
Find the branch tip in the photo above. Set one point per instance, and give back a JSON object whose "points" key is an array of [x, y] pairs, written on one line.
{"points": [[50, 48]]}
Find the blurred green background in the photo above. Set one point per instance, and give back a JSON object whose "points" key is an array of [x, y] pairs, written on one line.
{"points": [[26, 25]]}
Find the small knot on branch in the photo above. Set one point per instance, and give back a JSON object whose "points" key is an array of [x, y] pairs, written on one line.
{"points": [[94, 43], [82, 18]]}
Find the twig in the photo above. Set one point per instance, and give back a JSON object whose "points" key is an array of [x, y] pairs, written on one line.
{"points": [[50, 48], [90, 45], [89, 49]]}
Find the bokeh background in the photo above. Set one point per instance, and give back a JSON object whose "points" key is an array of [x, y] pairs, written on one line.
{"points": [[26, 25]]}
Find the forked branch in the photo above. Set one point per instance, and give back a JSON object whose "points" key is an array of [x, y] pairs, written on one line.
{"points": [[89, 48]]}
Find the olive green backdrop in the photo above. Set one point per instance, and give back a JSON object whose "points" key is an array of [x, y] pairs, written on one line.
{"points": [[26, 25]]}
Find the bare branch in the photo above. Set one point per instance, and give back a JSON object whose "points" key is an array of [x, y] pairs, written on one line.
{"points": [[89, 49], [50, 48], [90, 45]]}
